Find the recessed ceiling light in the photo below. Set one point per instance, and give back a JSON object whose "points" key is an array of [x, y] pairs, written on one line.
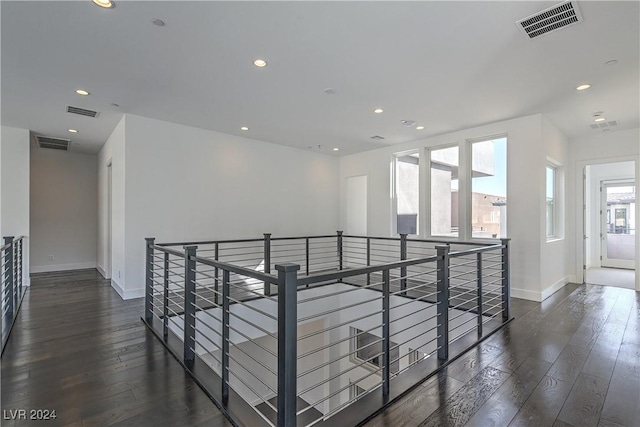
{"points": [[107, 4], [73, 131], [158, 22], [329, 91], [408, 123], [611, 62], [244, 128], [378, 110], [336, 149], [113, 104], [82, 92], [419, 127], [600, 119], [583, 87], [261, 63]]}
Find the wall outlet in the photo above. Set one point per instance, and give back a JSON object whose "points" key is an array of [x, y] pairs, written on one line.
{"points": [[50, 257]]}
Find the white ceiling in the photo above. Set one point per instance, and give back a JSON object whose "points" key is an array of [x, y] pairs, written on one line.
{"points": [[446, 65]]}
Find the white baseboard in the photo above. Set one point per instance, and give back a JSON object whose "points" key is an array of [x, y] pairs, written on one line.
{"points": [[102, 272], [525, 294], [556, 287], [128, 294], [546, 293], [61, 267]]}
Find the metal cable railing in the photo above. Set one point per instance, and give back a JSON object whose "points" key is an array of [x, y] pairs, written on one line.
{"points": [[11, 288], [342, 317]]}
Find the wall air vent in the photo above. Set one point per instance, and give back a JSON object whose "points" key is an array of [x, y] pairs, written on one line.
{"points": [[53, 143], [81, 111], [551, 19]]}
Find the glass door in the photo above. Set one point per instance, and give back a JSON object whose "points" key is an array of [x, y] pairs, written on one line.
{"points": [[618, 225]]}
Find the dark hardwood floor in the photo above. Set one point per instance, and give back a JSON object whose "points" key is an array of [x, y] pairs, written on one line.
{"points": [[78, 349]]}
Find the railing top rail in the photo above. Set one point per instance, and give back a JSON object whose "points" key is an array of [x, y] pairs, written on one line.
{"points": [[238, 270], [261, 239], [476, 250], [321, 277], [304, 237], [442, 241], [169, 251], [210, 242], [5, 247]]}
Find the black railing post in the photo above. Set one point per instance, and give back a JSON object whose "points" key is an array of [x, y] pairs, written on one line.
{"points": [[306, 251], [287, 343], [148, 295], [226, 289], [479, 296], [267, 262], [165, 298], [189, 305], [506, 281], [368, 259], [443, 301], [8, 240], [386, 347], [216, 255], [403, 270], [340, 265]]}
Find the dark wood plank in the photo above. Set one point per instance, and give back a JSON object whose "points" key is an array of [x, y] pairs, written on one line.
{"points": [[584, 404], [465, 402], [505, 403]]}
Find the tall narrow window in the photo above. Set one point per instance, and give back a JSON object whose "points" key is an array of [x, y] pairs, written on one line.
{"points": [[489, 188], [551, 201], [407, 196], [444, 164]]}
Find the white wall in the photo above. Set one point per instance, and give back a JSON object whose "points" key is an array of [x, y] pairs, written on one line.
{"points": [[63, 210], [557, 266], [601, 147], [526, 159], [178, 183], [112, 153], [14, 190]]}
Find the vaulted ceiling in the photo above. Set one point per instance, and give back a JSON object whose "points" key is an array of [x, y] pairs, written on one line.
{"points": [[444, 65]]}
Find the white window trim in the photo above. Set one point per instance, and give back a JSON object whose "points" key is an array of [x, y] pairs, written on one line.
{"points": [[558, 200]]}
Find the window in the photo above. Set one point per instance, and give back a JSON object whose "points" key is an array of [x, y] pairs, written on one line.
{"points": [[489, 188], [366, 347], [407, 180], [551, 201], [444, 164], [355, 390]]}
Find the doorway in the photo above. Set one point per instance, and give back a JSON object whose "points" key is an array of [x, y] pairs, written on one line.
{"points": [[609, 224]]}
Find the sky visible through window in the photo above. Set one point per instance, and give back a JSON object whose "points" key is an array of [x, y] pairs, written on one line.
{"points": [[495, 184]]}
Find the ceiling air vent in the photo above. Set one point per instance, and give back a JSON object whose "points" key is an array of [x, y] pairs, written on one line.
{"points": [[53, 143], [551, 19], [81, 111], [610, 123]]}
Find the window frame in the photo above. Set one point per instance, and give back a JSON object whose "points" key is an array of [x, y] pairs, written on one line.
{"points": [[551, 217]]}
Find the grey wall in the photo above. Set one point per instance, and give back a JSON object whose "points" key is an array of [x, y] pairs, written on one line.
{"points": [[64, 210]]}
